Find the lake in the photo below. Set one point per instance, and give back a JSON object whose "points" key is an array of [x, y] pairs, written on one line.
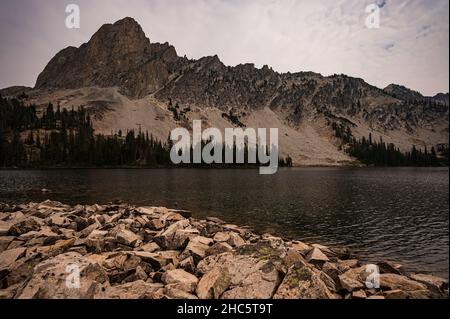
{"points": [[397, 214]]}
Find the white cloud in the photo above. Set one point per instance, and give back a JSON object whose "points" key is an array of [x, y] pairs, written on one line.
{"points": [[410, 48]]}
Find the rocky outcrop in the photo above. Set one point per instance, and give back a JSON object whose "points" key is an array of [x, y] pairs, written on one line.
{"points": [[119, 55], [52, 250]]}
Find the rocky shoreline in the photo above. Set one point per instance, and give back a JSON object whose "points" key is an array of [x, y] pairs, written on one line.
{"points": [[52, 250]]}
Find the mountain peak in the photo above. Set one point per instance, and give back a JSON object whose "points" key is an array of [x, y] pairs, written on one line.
{"points": [[119, 55], [402, 92], [126, 21], [123, 37]]}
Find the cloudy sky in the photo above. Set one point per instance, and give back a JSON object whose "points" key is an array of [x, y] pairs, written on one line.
{"points": [[411, 47]]}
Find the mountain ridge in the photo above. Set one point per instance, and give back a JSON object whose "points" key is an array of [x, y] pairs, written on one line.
{"points": [[119, 73]]}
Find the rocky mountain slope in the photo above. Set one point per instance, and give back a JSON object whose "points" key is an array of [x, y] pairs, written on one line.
{"points": [[127, 82]]}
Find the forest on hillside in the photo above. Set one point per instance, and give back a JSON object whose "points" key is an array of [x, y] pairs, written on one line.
{"points": [[378, 153], [66, 138]]}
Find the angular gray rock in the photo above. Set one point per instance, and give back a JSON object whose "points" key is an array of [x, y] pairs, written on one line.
{"points": [[52, 279], [302, 282]]}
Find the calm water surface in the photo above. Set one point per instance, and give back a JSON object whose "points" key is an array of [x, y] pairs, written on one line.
{"points": [[399, 214]]}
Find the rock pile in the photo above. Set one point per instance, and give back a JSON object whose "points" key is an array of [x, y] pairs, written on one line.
{"points": [[122, 251]]}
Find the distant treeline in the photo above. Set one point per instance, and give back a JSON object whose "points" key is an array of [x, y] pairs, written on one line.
{"points": [[66, 138], [379, 153]]}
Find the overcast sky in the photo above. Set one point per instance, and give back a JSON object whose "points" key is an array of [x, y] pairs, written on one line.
{"points": [[411, 47]]}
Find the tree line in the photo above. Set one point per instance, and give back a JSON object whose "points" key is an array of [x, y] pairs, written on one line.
{"points": [[380, 153], [66, 138]]}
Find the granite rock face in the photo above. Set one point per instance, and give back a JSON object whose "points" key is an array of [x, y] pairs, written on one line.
{"points": [[117, 55]]}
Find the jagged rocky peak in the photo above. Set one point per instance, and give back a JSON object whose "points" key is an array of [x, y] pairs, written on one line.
{"points": [[442, 97], [402, 92], [121, 38], [119, 55]]}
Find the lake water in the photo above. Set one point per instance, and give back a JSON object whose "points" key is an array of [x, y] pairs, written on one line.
{"points": [[398, 214]]}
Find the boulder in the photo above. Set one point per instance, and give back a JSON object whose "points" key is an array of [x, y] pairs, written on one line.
{"points": [[5, 241], [325, 249], [261, 250], [127, 237], [4, 228], [398, 282], [359, 294], [58, 220], [81, 223], [155, 224], [46, 231], [149, 247], [222, 237], [55, 278], [9, 292], [158, 259], [168, 238], [209, 230], [316, 257], [302, 282], [251, 278], [96, 240], [236, 240], [273, 241], [139, 274], [120, 266], [58, 248], [332, 286], [114, 218], [26, 225], [301, 247], [88, 230], [339, 253], [171, 217], [421, 294], [147, 211], [345, 265], [395, 294], [332, 270], [218, 248], [196, 249], [354, 279], [293, 257], [15, 244], [387, 267], [172, 292], [133, 290], [180, 279], [22, 269], [435, 284], [203, 240], [183, 213], [214, 283], [9, 257]]}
